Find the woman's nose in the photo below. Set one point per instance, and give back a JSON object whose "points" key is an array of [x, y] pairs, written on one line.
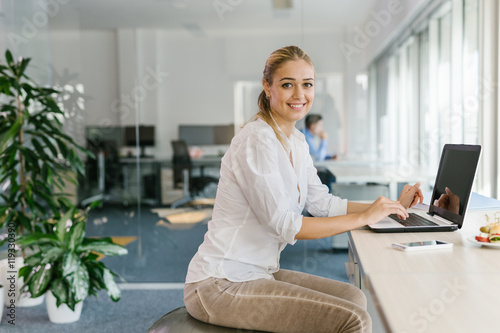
{"points": [[298, 92]]}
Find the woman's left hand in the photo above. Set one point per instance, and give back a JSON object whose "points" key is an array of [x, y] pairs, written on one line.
{"points": [[411, 195]]}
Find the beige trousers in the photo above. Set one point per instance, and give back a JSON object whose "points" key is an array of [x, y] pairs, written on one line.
{"points": [[293, 302]]}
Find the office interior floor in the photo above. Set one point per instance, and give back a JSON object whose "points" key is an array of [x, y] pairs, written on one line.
{"points": [[155, 268]]}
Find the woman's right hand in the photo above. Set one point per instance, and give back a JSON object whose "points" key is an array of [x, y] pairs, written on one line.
{"points": [[381, 208]]}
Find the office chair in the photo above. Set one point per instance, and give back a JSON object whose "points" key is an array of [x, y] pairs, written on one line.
{"points": [[104, 171], [182, 167]]}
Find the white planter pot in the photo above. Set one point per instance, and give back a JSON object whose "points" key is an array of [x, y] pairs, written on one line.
{"points": [[62, 314], [2, 290], [12, 286]]}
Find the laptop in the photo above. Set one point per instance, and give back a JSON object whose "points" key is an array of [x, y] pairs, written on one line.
{"points": [[450, 195]]}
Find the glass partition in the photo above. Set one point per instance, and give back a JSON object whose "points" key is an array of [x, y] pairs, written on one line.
{"points": [[132, 75]]}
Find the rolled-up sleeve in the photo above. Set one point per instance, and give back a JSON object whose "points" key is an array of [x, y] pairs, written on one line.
{"points": [[319, 202], [257, 167]]}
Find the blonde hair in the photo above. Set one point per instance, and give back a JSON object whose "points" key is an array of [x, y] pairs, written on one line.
{"points": [[275, 61]]}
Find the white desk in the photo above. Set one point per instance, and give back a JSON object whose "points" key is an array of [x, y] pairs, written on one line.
{"points": [[447, 290]]}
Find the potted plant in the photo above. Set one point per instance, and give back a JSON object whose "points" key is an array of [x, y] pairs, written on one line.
{"points": [[66, 265], [36, 157]]}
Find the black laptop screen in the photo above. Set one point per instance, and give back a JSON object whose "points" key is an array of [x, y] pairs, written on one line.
{"points": [[454, 181]]}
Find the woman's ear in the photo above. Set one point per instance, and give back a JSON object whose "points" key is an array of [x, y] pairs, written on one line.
{"points": [[267, 88]]}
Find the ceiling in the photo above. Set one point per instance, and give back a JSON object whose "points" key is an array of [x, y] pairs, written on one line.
{"points": [[206, 17]]}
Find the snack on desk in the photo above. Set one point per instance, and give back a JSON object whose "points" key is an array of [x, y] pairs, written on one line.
{"points": [[495, 234], [483, 237], [489, 233]]}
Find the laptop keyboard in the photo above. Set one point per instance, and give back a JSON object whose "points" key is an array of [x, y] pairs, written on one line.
{"points": [[413, 220]]}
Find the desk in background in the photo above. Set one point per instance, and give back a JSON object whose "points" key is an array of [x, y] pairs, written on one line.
{"points": [[367, 180], [355, 172], [447, 290], [156, 178]]}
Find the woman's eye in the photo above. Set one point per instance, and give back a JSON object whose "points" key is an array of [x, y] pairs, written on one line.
{"points": [[286, 85], [308, 85]]}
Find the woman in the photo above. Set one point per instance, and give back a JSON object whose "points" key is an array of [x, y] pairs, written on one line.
{"points": [[267, 180]]}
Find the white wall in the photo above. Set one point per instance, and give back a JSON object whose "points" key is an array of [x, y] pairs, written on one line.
{"points": [[84, 65], [170, 79], [202, 73]]}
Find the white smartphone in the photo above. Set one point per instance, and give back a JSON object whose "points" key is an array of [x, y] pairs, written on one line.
{"points": [[424, 245]]}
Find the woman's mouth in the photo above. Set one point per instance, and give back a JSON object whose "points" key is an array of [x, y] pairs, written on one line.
{"points": [[297, 106]]}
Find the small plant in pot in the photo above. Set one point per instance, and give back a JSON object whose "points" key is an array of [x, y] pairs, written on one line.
{"points": [[66, 265]]}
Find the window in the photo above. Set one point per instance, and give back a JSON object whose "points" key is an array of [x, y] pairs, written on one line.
{"points": [[431, 88]]}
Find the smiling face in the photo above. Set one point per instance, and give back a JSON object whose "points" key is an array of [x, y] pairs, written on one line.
{"points": [[291, 93]]}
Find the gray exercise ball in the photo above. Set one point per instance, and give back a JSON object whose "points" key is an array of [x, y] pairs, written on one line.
{"points": [[180, 321]]}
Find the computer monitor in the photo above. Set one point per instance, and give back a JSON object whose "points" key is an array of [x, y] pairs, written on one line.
{"points": [[146, 137], [206, 135], [96, 135]]}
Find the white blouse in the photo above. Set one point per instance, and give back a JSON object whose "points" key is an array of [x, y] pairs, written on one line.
{"points": [[259, 204]]}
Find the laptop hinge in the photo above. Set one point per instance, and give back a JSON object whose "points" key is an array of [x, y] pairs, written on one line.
{"points": [[440, 219]]}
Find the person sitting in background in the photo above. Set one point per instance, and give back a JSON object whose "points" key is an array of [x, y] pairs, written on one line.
{"points": [[313, 129]]}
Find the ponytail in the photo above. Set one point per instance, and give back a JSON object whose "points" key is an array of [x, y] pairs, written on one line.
{"points": [[265, 113]]}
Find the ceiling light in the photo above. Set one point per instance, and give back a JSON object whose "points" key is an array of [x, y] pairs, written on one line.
{"points": [[283, 4]]}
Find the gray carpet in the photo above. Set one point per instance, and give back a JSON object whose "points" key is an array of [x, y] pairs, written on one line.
{"points": [[135, 312], [161, 257]]}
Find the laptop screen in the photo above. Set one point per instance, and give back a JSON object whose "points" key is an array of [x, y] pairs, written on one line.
{"points": [[454, 181]]}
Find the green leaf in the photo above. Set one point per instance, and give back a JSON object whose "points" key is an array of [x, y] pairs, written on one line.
{"points": [[37, 145], [24, 63], [91, 257], [63, 148], [34, 260], [71, 301], [94, 204], [26, 223], [96, 274], [52, 255], [112, 288], [70, 263], [61, 225], [14, 131], [25, 271], [104, 246], [49, 144], [47, 197], [39, 281], [9, 58], [12, 159], [46, 173], [76, 235], [31, 160], [60, 291], [37, 238], [80, 283]]}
